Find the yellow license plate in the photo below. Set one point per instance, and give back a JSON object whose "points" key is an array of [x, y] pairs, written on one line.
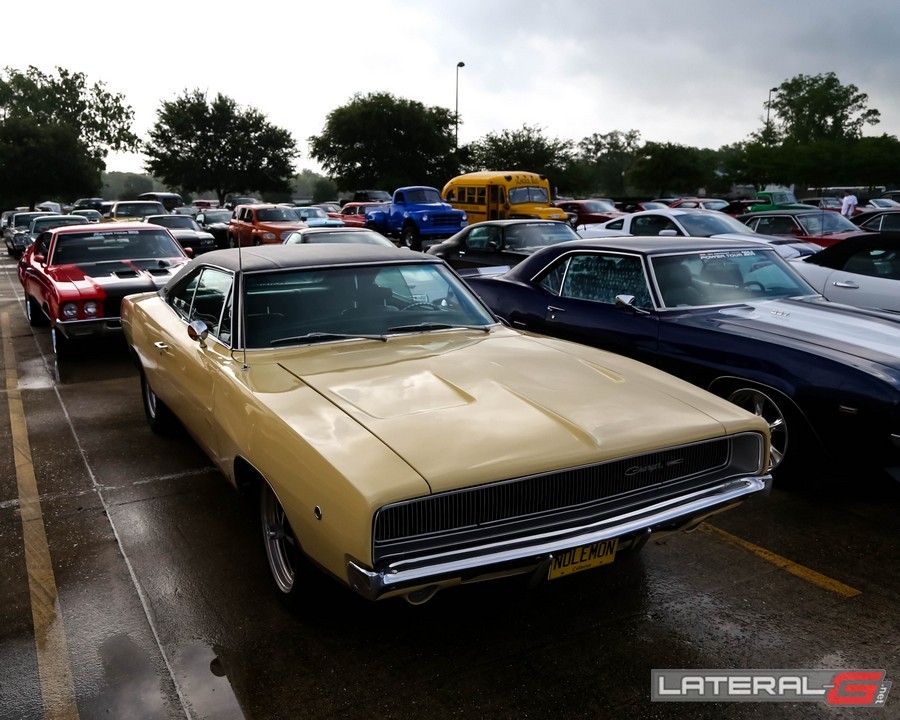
{"points": [[586, 557]]}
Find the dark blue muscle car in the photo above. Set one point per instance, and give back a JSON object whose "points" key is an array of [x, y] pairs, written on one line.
{"points": [[732, 317]]}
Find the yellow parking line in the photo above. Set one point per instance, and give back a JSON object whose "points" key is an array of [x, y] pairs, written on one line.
{"points": [[57, 688], [801, 571]]}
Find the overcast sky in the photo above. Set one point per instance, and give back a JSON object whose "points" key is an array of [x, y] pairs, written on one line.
{"points": [[695, 72]]}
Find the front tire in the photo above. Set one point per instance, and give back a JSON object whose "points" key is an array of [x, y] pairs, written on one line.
{"points": [[409, 237], [162, 421], [287, 565], [63, 347], [33, 312], [781, 431]]}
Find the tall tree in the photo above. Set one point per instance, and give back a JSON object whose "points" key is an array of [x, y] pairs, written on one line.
{"points": [[608, 157], [42, 162], [197, 145], [68, 127], [524, 149], [378, 140], [810, 108], [664, 168]]}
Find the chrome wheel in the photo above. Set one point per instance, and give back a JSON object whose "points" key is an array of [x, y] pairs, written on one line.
{"points": [[282, 549], [764, 406]]}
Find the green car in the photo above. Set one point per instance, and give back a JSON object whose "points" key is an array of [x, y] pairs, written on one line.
{"points": [[777, 200]]}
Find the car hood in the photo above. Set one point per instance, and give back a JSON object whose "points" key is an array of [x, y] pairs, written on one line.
{"points": [[116, 277], [463, 407], [188, 234], [809, 323]]}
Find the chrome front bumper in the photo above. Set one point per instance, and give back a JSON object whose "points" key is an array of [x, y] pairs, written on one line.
{"points": [[75, 329], [534, 553]]}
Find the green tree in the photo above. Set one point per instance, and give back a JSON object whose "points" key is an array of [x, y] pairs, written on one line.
{"points": [[42, 162], [608, 158], [663, 168], [811, 108], [68, 128], [524, 149], [378, 140], [197, 145]]}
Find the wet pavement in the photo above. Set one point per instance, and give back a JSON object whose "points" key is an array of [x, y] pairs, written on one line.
{"points": [[149, 595]]}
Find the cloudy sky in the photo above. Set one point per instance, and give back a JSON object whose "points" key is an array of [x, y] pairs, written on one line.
{"points": [[695, 72]]}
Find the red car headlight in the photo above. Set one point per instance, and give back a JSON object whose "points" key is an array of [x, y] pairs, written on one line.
{"points": [[69, 310], [91, 308]]}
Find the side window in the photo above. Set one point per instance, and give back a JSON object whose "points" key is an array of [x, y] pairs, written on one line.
{"points": [[42, 244], [616, 224], [451, 195], [212, 295], [182, 297], [553, 280], [890, 222], [601, 278], [206, 296], [479, 237]]}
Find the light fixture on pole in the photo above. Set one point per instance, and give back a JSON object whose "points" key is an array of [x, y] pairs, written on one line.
{"points": [[456, 114]]}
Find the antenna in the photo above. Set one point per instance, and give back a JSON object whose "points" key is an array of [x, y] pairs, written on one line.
{"points": [[243, 306]]}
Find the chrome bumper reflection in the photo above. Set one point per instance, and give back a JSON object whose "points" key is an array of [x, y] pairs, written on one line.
{"points": [[522, 555]]}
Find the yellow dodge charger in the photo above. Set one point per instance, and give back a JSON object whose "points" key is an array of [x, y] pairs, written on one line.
{"points": [[401, 439]]}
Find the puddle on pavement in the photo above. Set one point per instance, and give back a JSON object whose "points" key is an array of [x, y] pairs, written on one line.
{"points": [[33, 375], [201, 677]]}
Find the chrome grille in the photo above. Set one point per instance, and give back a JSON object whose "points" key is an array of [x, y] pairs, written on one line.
{"points": [[549, 500], [442, 220]]}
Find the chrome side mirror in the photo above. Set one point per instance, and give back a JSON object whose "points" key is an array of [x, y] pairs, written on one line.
{"points": [[198, 332]]}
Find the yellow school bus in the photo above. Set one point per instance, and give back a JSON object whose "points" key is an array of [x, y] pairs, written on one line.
{"points": [[493, 195]]}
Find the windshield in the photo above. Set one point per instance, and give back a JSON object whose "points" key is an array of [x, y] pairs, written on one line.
{"points": [[176, 221], [298, 307], [368, 237], [709, 225], [726, 277], [23, 220], [311, 212], [113, 245], [422, 196], [825, 223], [530, 194], [537, 234], [139, 209], [277, 215], [598, 206], [217, 216], [39, 225]]}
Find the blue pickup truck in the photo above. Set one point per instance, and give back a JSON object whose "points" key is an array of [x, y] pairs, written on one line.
{"points": [[415, 214]]}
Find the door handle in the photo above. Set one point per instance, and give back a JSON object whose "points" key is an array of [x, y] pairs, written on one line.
{"points": [[553, 308], [846, 284], [160, 345]]}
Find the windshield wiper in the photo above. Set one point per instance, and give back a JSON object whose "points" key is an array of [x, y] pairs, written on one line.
{"points": [[438, 326], [328, 336]]}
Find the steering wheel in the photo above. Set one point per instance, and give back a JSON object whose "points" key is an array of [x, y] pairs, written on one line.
{"points": [[420, 304], [755, 284]]}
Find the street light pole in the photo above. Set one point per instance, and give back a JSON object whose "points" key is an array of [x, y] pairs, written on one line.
{"points": [[456, 114], [768, 108]]}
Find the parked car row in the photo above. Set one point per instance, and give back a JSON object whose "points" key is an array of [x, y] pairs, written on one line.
{"points": [[668, 368]]}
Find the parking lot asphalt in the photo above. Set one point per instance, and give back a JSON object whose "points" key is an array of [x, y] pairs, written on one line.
{"points": [[134, 585]]}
